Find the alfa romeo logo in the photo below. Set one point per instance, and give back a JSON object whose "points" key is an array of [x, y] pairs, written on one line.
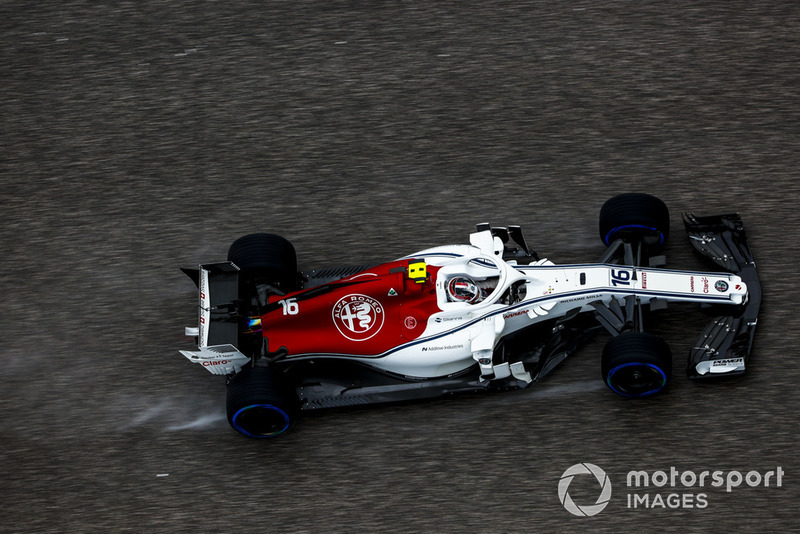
{"points": [[358, 317], [584, 469]]}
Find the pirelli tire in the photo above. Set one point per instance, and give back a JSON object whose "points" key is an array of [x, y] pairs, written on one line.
{"points": [[636, 364], [266, 257], [635, 217], [257, 405]]}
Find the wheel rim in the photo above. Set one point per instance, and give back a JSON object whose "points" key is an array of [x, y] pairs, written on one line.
{"points": [[261, 421], [636, 379]]}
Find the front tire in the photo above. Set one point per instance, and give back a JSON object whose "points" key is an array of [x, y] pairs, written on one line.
{"points": [[636, 364], [257, 405], [634, 217]]}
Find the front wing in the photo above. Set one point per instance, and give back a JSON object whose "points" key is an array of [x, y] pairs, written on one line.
{"points": [[725, 344]]}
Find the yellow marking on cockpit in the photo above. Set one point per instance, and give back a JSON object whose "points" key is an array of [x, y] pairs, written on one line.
{"points": [[417, 271]]}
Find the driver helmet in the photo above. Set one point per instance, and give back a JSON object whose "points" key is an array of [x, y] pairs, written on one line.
{"points": [[463, 289]]}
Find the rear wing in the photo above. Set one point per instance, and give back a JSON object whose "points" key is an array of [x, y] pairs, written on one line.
{"points": [[724, 346], [217, 331]]}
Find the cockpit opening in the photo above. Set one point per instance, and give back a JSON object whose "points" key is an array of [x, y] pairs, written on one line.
{"points": [[468, 290]]}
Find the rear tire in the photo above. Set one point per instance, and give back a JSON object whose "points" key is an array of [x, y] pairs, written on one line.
{"points": [[266, 256], [257, 405], [634, 217], [636, 364]]}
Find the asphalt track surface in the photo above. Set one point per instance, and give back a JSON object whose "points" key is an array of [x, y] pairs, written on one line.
{"points": [[139, 137]]}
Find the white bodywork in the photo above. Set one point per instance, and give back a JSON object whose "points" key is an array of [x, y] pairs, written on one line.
{"points": [[461, 333]]}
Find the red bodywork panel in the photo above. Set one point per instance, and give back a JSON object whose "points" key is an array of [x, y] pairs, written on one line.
{"points": [[365, 314]]}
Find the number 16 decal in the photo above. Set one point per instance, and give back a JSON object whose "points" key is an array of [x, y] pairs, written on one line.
{"points": [[620, 277], [290, 306]]}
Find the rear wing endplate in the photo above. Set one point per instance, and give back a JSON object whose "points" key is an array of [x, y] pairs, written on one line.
{"points": [[218, 359], [217, 330], [218, 290]]}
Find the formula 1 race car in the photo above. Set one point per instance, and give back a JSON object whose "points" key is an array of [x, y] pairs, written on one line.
{"points": [[490, 315]]}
